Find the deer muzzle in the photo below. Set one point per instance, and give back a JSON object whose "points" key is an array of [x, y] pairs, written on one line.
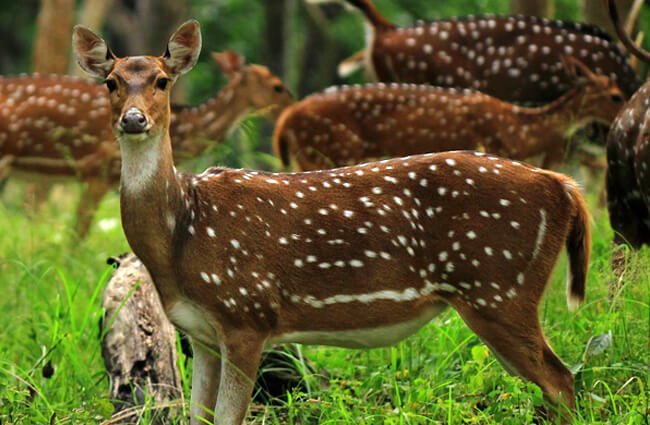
{"points": [[133, 121]]}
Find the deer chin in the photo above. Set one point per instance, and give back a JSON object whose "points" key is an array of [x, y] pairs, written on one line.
{"points": [[147, 134]]}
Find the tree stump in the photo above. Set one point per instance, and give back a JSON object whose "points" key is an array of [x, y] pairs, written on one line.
{"points": [[139, 345]]}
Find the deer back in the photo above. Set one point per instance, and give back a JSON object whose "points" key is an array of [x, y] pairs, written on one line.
{"points": [[351, 124], [373, 234], [514, 58], [55, 124]]}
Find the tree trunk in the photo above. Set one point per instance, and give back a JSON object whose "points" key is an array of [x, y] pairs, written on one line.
{"points": [[52, 41], [319, 53], [139, 345], [595, 12], [541, 8], [143, 27]]}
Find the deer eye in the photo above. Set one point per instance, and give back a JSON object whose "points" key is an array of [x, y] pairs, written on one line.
{"points": [[279, 88], [111, 85], [161, 83]]}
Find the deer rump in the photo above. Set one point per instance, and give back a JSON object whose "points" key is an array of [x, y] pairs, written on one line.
{"points": [[628, 158]]}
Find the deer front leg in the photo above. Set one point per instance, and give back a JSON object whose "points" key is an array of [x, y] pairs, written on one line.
{"points": [[5, 166], [239, 363], [91, 196], [206, 371]]}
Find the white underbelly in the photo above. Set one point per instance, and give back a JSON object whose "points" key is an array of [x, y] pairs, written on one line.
{"points": [[192, 320], [364, 337]]}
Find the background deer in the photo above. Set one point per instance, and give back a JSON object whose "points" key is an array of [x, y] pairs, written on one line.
{"points": [[58, 125], [513, 58], [628, 159], [357, 257], [349, 125]]}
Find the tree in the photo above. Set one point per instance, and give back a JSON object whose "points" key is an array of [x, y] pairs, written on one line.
{"points": [[51, 50], [542, 8], [595, 12]]}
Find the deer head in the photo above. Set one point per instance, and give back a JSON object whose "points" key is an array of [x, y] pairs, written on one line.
{"points": [[138, 86], [601, 97], [263, 89]]}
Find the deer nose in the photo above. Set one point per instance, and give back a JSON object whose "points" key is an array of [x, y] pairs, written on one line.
{"points": [[133, 121]]}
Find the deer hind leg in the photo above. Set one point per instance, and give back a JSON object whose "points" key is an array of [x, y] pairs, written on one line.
{"points": [[91, 196], [521, 347], [206, 373], [239, 363]]}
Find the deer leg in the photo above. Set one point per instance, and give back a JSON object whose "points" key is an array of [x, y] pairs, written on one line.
{"points": [[239, 363], [36, 194], [91, 196], [206, 370], [5, 166], [521, 347], [552, 158]]}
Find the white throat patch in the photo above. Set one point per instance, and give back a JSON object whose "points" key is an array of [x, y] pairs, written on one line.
{"points": [[140, 159]]}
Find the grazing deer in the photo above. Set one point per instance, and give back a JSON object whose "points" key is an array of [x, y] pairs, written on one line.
{"points": [[355, 257], [54, 125], [513, 58], [349, 125], [628, 159]]}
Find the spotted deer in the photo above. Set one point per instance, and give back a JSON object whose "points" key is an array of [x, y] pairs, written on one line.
{"points": [[349, 125], [57, 126], [628, 159], [355, 257], [513, 58]]}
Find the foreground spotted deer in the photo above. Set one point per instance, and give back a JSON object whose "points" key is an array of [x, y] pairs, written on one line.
{"points": [[355, 257], [58, 125], [349, 125], [628, 159], [513, 58]]}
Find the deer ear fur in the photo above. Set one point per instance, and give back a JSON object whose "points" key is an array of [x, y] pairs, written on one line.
{"points": [[91, 52], [229, 61], [183, 48]]}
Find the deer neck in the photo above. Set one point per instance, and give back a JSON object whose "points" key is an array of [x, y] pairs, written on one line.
{"points": [[209, 121], [530, 131], [151, 199]]}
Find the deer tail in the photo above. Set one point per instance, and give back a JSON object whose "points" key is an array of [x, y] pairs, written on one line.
{"points": [[280, 137], [578, 245]]}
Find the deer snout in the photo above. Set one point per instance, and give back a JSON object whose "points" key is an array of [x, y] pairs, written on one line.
{"points": [[133, 121]]}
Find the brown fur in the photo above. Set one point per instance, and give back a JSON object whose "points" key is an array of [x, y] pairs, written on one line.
{"points": [[350, 125], [503, 56], [628, 162]]}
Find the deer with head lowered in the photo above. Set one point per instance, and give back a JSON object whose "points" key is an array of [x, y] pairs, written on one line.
{"points": [[349, 125], [513, 58], [57, 126], [355, 257]]}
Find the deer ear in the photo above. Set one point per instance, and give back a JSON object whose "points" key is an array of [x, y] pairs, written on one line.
{"points": [[91, 52], [229, 61], [183, 48]]}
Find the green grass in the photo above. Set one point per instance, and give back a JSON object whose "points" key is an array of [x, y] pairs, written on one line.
{"points": [[50, 309]]}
